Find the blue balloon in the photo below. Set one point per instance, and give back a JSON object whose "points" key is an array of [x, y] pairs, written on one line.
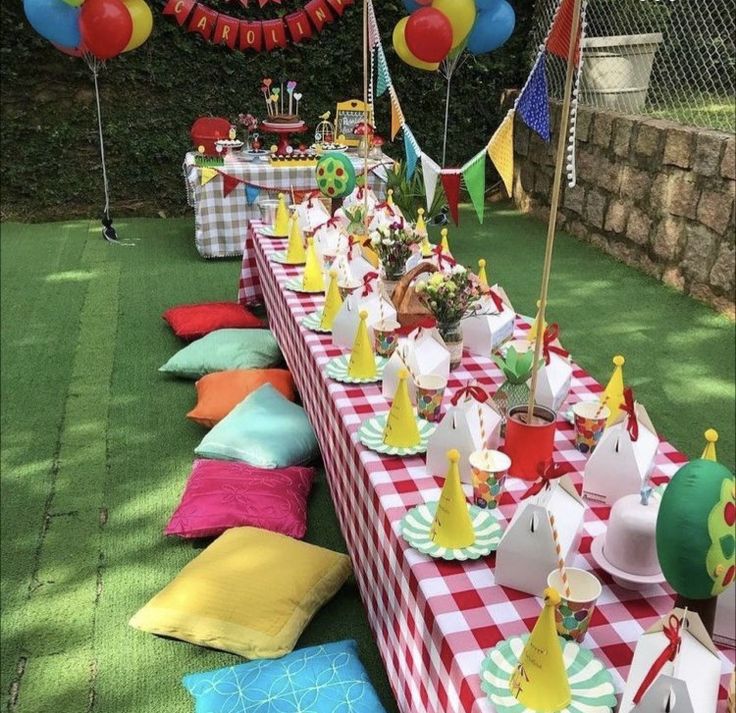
{"points": [[492, 28], [486, 4], [411, 5], [54, 20]]}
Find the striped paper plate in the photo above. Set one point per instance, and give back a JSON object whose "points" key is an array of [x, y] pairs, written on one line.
{"points": [[312, 322], [371, 436], [337, 369], [281, 259], [296, 284]]}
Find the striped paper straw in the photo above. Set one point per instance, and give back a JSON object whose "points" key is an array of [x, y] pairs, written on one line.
{"points": [[560, 560]]}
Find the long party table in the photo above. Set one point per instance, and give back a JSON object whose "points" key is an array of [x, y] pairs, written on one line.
{"points": [[222, 212], [433, 620]]}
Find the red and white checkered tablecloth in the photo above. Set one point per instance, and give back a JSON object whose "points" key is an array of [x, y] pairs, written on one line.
{"points": [[434, 621]]}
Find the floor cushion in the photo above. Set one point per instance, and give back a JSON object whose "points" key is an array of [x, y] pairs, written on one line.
{"points": [[222, 494], [251, 592], [194, 321], [219, 393], [320, 679], [223, 350], [265, 430]]}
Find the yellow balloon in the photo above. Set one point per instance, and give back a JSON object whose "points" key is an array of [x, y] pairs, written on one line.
{"points": [[142, 19], [405, 53], [461, 14]]}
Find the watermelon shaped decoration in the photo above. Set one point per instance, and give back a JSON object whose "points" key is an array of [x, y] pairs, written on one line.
{"points": [[335, 175]]}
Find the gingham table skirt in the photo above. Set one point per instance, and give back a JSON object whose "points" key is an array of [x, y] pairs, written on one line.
{"points": [[221, 221], [434, 621]]}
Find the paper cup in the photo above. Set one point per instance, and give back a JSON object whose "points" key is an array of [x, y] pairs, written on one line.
{"points": [[386, 337], [590, 421], [573, 614], [430, 390], [489, 469], [346, 290]]}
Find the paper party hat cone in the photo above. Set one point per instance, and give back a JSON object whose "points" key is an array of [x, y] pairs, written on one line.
{"points": [[709, 452], [333, 302], [421, 224], [362, 364], [536, 330], [444, 242], [452, 526], [390, 196], [313, 280], [540, 679], [613, 394], [295, 249], [482, 278], [401, 425], [281, 224]]}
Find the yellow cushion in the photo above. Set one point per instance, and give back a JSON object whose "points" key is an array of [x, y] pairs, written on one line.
{"points": [[251, 592]]}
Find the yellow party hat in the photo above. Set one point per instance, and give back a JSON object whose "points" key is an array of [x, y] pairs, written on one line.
{"points": [[444, 243], [482, 278], [281, 225], [313, 280], [333, 302], [540, 679], [535, 330], [362, 364], [452, 526], [421, 224], [390, 198], [295, 250], [709, 452], [613, 394], [401, 425]]}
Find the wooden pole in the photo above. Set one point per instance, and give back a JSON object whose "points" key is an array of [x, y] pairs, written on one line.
{"points": [[554, 203], [366, 148]]}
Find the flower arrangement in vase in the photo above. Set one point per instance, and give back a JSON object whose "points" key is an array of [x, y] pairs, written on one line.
{"points": [[250, 124], [449, 296], [394, 244]]}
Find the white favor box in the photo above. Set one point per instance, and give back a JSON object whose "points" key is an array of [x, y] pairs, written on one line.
{"points": [[553, 382], [487, 328], [619, 466], [345, 326], [527, 553], [357, 199], [724, 630], [330, 240], [311, 213]]}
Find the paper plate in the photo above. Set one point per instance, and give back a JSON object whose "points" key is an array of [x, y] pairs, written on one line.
{"points": [[337, 369], [417, 524], [268, 232], [312, 322], [371, 436], [295, 284], [627, 580], [590, 683], [281, 259]]}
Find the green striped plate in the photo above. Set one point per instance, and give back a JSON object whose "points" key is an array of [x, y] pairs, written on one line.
{"points": [[296, 284], [371, 436], [337, 369], [312, 322], [280, 258], [417, 524]]}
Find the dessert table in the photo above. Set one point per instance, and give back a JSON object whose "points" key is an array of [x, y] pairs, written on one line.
{"points": [[221, 216], [433, 620]]}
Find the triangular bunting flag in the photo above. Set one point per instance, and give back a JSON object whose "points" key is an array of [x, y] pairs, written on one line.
{"points": [[558, 42], [395, 116], [430, 172], [451, 184], [251, 193], [228, 184], [533, 104], [501, 151], [384, 80], [474, 175], [411, 147], [206, 175]]}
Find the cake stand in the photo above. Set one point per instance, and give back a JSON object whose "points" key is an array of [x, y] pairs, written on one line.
{"points": [[284, 132]]}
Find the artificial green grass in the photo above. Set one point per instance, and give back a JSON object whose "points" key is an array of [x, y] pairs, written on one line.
{"points": [[96, 448]]}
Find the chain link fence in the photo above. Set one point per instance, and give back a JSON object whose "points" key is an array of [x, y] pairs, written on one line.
{"points": [[673, 59]]}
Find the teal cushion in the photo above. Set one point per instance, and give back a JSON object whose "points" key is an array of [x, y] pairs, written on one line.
{"points": [[223, 350], [265, 430]]}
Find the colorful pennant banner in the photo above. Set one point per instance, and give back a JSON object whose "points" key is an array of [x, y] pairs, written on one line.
{"points": [[501, 150]]}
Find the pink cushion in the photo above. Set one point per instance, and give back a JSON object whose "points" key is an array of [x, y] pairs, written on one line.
{"points": [[223, 494]]}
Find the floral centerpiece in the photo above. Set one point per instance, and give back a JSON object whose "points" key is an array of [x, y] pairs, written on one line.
{"points": [[394, 244], [449, 296], [250, 124]]}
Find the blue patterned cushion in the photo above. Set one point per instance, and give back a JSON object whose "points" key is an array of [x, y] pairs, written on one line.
{"points": [[320, 679]]}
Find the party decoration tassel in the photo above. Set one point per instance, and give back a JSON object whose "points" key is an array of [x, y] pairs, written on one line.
{"points": [[452, 526], [444, 242], [362, 364], [613, 394], [536, 331], [401, 425], [281, 225], [709, 452], [295, 250], [482, 278], [333, 303], [540, 679], [313, 280]]}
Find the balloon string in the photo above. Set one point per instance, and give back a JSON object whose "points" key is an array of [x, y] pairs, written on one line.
{"points": [[94, 66]]}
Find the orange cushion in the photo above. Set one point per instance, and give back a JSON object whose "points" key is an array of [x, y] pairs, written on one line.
{"points": [[220, 392]]}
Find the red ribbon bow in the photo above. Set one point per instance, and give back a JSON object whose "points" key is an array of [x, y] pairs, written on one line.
{"points": [[672, 631], [629, 407], [548, 471], [359, 195], [470, 392], [496, 299], [367, 279], [443, 257], [387, 207], [329, 223], [550, 335]]}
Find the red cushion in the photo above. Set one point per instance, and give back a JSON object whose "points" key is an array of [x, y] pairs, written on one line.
{"points": [[194, 321]]}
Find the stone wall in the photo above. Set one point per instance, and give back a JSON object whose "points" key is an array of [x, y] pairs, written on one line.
{"points": [[654, 194]]}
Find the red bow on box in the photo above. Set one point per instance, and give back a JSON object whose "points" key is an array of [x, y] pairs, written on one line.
{"points": [[497, 301], [443, 257], [629, 407], [329, 223], [550, 335], [367, 279], [548, 471], [672, 631], [387, 207], [470, 392]]}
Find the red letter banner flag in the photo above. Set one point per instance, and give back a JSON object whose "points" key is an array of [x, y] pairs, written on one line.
{"points": [[274, 34], [339, 5], [180, 9], [226, 31], [298, 25], [203, 21], [319, 13], [251, 35]]}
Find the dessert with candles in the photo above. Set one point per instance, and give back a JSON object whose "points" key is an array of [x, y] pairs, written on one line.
{"points": [[282, 106]]}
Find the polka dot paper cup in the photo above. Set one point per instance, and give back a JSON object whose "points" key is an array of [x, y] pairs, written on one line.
{"points": [[590, 422], [574, 613], [430, 390], [489, 469]]}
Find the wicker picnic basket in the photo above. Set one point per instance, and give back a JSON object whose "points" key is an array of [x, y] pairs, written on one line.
{"points": [[410, 310]]}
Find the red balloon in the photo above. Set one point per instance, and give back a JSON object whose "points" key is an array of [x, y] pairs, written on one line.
{"points": [[71, 51], [106, 27], [428, 34]]}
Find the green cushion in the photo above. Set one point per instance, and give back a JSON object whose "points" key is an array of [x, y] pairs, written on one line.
{"points": [[265, 430], [225, 349]]}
